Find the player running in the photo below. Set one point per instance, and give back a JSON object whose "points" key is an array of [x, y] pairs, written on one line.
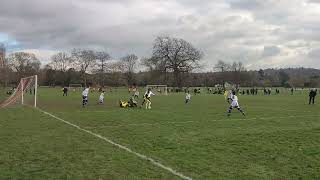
{"points": [[235, 104], [147, 98], [101, 98], [85, 94], [65, 91], [188, 97]]}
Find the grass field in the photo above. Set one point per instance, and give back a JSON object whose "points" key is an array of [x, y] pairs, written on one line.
{"points": [[279, 138]]}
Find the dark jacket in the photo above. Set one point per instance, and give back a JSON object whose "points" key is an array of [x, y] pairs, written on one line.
{"points": [[313, 93]]}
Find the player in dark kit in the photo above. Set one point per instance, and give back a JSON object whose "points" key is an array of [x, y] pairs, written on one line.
{"points": [[312, 96], [65, 91]]}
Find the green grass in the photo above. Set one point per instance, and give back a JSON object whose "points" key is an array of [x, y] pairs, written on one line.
{"points": [[279, 138], [3, 94]]}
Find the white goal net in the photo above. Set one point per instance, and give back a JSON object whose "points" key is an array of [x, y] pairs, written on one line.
{"points": [[25, 93], [158, 89], [75, 87]]}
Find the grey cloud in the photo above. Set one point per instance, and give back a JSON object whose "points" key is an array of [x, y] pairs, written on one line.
{"points": [[315, 54], [224, 29], [246, 4], [314, 1], [270, 51]]}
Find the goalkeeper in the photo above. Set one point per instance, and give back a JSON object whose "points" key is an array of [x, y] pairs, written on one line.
{"points": [[131, 103]]}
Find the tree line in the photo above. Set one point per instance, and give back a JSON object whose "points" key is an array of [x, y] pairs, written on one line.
{"points": [[172, 62]]}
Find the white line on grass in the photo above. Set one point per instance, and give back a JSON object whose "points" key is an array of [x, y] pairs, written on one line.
{"points": [[154, 162]]}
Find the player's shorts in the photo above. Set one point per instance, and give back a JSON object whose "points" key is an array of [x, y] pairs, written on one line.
{"points": [[234, 104]]}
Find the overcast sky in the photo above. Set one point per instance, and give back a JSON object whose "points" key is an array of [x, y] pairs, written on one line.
{"points": [[260, 33]]}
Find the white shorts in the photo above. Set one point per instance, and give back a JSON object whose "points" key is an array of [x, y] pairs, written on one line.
{"points": [[234, 104]]}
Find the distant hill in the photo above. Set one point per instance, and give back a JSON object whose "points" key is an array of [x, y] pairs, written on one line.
{"points": [[293, 72]]}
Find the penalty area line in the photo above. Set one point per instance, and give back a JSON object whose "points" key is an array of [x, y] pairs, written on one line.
{"points": [[141, 156]]}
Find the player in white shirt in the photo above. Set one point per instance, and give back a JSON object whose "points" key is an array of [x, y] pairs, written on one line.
{"points": [[188, 97], [101, 98], [85, 94], [234, 104], [147, 98], [136, 94]]}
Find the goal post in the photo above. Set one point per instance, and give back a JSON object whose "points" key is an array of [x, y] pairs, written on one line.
{"points": [[159, 89], [25, 93]]}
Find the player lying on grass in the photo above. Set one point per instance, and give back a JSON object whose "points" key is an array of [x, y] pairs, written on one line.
{"points": [[10, 92], [234, 104], [85, 94], [147, 98], [131, 103]]}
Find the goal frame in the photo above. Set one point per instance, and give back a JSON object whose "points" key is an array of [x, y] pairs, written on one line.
{"points": [[19, 91], [35, 89], [75, 86], [157, 86]]}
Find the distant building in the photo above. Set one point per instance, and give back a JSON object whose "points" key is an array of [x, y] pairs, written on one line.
{"points": [[2, 55]]}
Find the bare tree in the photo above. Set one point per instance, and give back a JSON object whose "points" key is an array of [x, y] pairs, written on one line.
{"points": [[102, 59], [149, 64], [175, 55], [155, 73], [25, 64], [237, 69], [5, 72], [116, 72], [60, 62], [84, 60], [222, 67], [129, 64]]}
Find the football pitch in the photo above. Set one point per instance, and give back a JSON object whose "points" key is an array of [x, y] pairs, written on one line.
{"points": [[278, 139]]}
